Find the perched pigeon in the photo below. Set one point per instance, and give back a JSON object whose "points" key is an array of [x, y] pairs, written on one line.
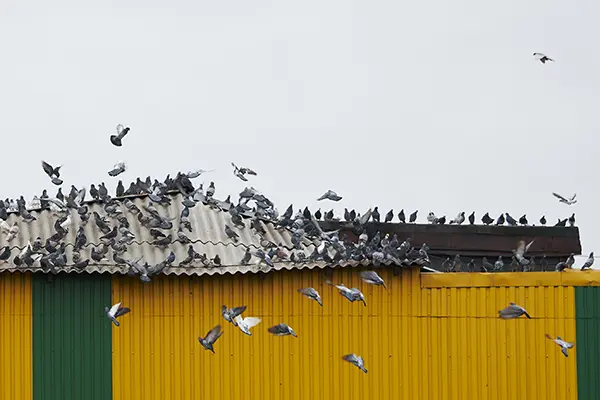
{"points": [[311, 294], [356, 361], [564, 346], [231, 313], [589, 262], [282, 330], [210, 338], [121, 132], [513, 311], [246, 323], [330, 195], [372, 278], [542, 57], [568, 202], [115, 312]]}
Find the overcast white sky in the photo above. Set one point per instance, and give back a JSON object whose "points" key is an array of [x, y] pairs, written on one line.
{"points": [[429, 105]]}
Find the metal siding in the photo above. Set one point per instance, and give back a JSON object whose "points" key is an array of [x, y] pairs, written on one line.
{"points": [[15, 335], [71, 337], [434, 343], [587, 300]]}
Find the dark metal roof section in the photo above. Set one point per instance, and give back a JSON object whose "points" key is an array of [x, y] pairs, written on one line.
{"points": [[477, 240]]}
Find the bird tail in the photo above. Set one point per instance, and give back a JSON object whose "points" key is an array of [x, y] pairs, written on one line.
{"points": [[320, 302], [363, 369], [115, 322], [528, 316]]}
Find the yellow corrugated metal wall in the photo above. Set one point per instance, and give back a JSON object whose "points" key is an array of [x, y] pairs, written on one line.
{"points": [[418, 343], [15, 336]]}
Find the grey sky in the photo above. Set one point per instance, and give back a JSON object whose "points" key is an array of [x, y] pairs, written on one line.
{"points": [[432, 105]]}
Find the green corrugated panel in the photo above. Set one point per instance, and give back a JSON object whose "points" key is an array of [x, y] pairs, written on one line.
{"points": [[71, 337], [587, 312]]}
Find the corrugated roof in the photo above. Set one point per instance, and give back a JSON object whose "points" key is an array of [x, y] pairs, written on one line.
{"points": [[207, 236]]}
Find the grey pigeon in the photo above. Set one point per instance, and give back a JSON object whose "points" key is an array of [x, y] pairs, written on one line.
{"points": [[356, 361], [121, 132], [413, 217], [282, 330], [589, 262], [115, 312], [351, 295], [541, 57], [231, 234], [53, 173], [231, 314], [311, 293], [330, 195], [119, 168], [513, 311], [564, 346], [569, 201], [210, 338], [372, 278]]}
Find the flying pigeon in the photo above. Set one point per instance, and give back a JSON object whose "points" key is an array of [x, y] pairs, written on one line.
{"points": [[121, 132], [372, 278], [115, 312], [210, 338], [351, 294], [568, 202], [282, 330], [564, 346], [246, 323], [542, 57], [53, 173], [356, 361], [311, 294], [513, 311], [119, 168], [330, 195], [231, 313]]}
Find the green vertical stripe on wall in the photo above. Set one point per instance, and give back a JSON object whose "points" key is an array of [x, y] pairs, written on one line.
{"points": [[72, 342], [587, 344]]}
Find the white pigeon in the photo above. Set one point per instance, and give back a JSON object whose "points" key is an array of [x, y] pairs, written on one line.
{"points": [[541, 57], [66, 222], [246, 323], [197, 173], [431, 218], [564, 346], [460, 218], [568, 202]]}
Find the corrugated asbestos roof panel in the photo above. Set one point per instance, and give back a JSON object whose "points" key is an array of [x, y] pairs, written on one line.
{"points": [[207, 235]]}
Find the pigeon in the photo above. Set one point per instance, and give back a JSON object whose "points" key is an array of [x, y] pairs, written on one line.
{"points": [[231, 313], [499, 264], [571, 220], [543, 220], [282, 330], [541, 57], [356, 361], [513, 311], [589, 262], [197, 173], [372, 278], [246, 323], [231, 233], [564, 346], [53, 173], [375, 215], [413, 217], [389, 216], [460, 218], [472, 218], [351, 294], [210, 338], [486, 219], [330, 195], [401, 216], [115, 312], [568, 202], [510, 220], [311, 294], [121, 132], [523, 220], [119, 168]]}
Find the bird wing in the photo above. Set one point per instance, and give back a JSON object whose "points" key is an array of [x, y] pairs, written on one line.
{"points": [[122, 311], [214, 334], [307, 291], [238, 320], [237, 311], [47, 168], [278, 329], [251, 321], [559, 196], [351, 358], [114, 308]]}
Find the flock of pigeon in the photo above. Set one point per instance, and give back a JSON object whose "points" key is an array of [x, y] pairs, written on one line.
{"points": [[50, 255]]}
